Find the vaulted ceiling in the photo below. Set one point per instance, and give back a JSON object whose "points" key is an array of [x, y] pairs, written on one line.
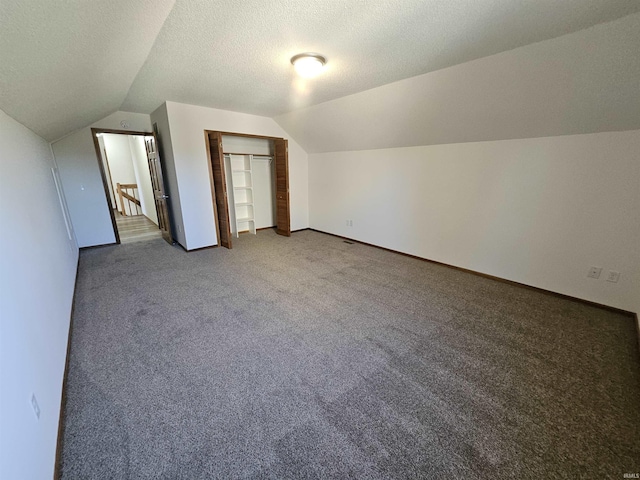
{"points": [[66, 64]]}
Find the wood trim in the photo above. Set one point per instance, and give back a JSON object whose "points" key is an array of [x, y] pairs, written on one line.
{"points": [[113, 188], [276, 141], [250, 135], [213, 186], [181, 246], [199, 248], [122, 132], [491, 277], [281, 171], [57, 468], [637, 328], [98, 246], [281, 197], [96, 145], [124, 212], [219, 189], [94, 133]]}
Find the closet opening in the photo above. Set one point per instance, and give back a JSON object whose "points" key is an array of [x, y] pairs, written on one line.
{"points": [[249, 184], [133, 183]]}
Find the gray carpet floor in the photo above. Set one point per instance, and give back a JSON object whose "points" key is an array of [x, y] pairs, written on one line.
{"points": [[307, 357]]}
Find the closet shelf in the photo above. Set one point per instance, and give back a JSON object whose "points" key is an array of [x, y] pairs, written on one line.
{"points": [[241, 182]]}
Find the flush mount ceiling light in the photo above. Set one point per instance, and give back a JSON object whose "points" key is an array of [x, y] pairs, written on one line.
{"points": [[308, 65]]}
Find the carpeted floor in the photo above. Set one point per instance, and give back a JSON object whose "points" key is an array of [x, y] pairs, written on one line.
{"points": [[307, 357]]}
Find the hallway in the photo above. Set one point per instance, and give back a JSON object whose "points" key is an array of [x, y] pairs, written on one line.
{"points": [[136, 228]]}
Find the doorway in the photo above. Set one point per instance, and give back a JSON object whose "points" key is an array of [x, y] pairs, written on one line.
{"points": [[232, 169], [133, 182]]}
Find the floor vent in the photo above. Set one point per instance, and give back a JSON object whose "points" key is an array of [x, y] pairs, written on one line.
{"points": [[346, 241]]}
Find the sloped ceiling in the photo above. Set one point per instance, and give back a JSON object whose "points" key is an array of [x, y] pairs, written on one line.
{"points": [[66, 64], [584, 82]]}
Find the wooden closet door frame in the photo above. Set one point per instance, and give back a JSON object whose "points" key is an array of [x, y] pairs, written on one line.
{"points": [[213, 142], [286, 223], [283, 207]]}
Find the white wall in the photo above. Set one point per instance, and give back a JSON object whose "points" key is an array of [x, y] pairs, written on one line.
{"points": [[263, 173], [143, 177], [256, 146], [37, 271], [187, 125], [536, 211], [80, 175]]}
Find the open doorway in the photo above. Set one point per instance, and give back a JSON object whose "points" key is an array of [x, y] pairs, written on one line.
{"points": [[133, 182]]}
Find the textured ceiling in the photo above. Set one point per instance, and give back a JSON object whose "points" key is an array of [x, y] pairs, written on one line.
{"points": [[235, 55], [66, 64], [584, 82]]}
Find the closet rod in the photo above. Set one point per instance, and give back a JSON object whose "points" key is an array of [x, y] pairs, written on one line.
{"points": [[254, 154]]}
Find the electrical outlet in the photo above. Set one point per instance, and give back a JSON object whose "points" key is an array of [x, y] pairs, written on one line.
{"points": [[594, 272], [613, 277], [35, 406], [351, 223]]}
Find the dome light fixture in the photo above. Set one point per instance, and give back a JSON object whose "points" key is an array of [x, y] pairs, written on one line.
{"points": [[308, 65]]}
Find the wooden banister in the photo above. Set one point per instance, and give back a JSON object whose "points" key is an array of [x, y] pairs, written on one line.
{"points": [[123, 193]]}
